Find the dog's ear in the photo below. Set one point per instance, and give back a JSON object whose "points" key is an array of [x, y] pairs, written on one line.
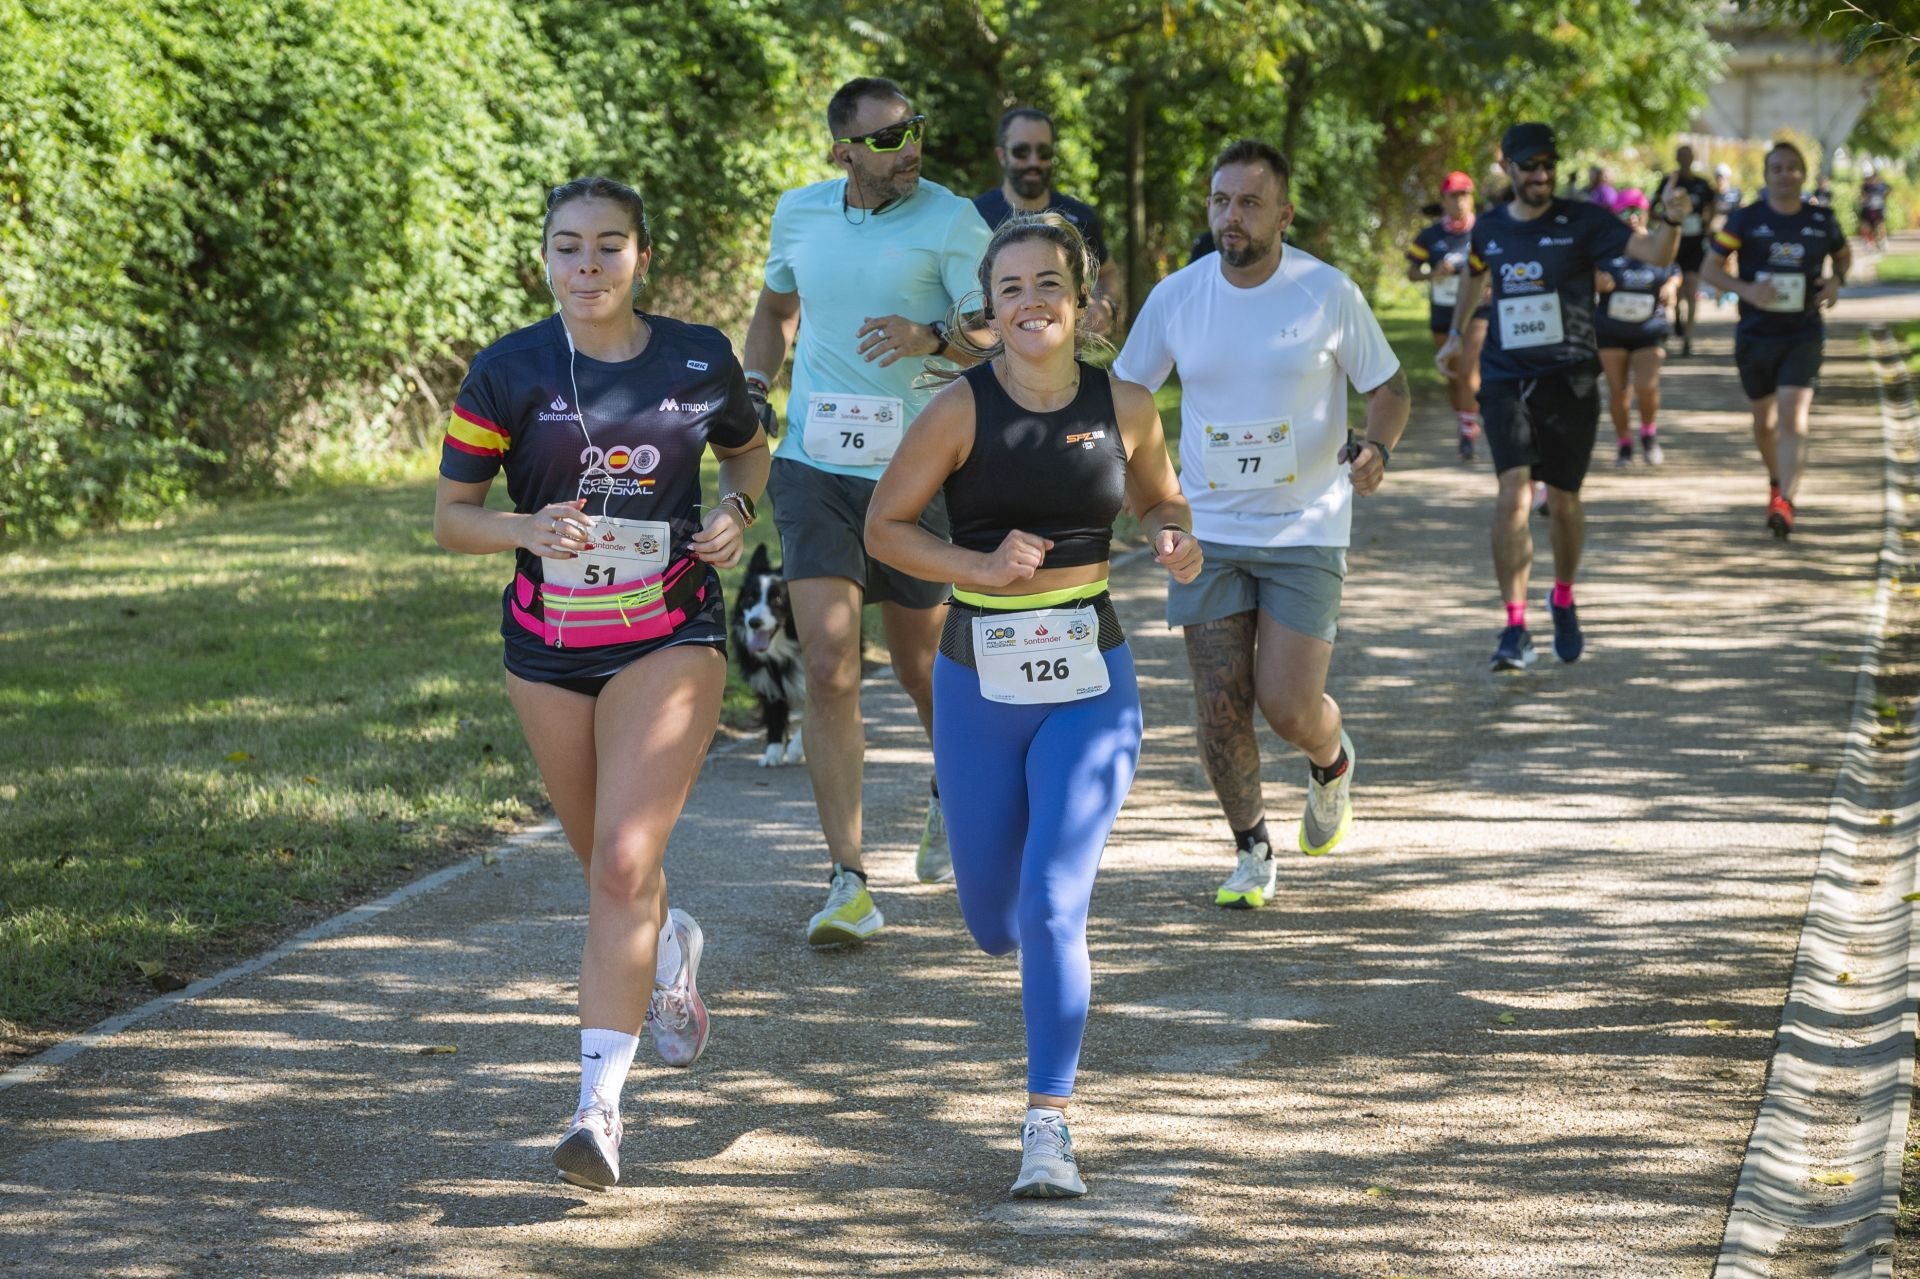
{"points": [[758, 563]]}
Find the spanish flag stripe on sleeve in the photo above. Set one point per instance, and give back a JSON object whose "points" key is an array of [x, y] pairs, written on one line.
{"points": [[471, 433], [1725, 241], [1476, 263], [1419, 253]]}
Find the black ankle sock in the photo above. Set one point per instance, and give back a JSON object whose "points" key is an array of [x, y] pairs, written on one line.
{"points": [[1244, 840], [936, 788], [1331, 771], [837, 868]]}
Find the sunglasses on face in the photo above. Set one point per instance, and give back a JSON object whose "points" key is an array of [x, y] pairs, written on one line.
{"points": [[894, 136], [1038, 150], [1538, 166]]}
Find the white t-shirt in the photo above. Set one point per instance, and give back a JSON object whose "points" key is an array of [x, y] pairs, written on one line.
{"points": [[1263, 381]]}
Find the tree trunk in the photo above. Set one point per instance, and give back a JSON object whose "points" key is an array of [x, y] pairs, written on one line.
{"points": [[1139, 268]]}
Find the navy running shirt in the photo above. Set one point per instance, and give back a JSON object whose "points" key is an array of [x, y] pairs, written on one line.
{"points": [[994, 209], [650, 420], [1434, 243], [1781, 244], [1542, 286], [1633, 279]]}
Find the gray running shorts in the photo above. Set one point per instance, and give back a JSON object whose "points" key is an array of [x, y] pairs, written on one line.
{"points": [[1297, 586], [822, 520]]}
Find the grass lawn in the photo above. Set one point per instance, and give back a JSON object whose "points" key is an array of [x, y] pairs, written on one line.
{"points": [[217, 730], [1899, 268]]}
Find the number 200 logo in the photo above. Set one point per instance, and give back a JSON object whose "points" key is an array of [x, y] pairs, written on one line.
{"points": [[1521, 272]]}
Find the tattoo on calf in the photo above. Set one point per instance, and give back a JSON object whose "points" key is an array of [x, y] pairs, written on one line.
{"points": [[1220, 654]]}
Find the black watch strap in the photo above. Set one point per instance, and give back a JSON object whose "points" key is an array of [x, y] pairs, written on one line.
{"points": [[939, 328]]}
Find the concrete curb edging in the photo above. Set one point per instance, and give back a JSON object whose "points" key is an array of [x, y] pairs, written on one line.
{"points": [[1840, 1086]]}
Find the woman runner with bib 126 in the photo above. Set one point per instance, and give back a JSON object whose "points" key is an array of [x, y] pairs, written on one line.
{"points": [[614, 627], [1036, 723]]}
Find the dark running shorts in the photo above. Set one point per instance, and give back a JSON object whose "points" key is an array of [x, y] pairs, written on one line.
{"points": [[822, 518], [1547, 424], [1693, 251], [1768, 363]]}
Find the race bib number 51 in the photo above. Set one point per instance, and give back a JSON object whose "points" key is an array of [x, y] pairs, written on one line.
{"points": [[619, 553], [1046, 655], [853, 430], [1789, 291]]}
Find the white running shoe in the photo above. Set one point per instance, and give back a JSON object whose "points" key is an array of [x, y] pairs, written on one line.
{"points": [[589, 1153], [1251, 885], [677, 1016], [934, 862], [1047, 1166]]}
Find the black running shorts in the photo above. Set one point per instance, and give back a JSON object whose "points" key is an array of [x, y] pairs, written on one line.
{"points": [[1547, 424], [822, 518], [1768, 363], [1693, 251]]}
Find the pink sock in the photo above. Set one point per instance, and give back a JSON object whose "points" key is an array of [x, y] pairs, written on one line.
{"points": [[1516, 614], [1647, 430], [1562, 594]]}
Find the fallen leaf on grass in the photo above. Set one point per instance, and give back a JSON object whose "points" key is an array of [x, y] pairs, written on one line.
{"points": [[311, 781], [1834, 1178], [489, 857], [149, 967], [238, 757], [439, 1050], [406, 866], [1505, 1019], [1378, 1192], [1720, 1023]]}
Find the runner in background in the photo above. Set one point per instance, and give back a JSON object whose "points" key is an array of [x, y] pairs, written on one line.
{"points": [[1438, 256], [1632, 323], [1026, 153], [1772, 254], [1693, 238], [1874, 191]]}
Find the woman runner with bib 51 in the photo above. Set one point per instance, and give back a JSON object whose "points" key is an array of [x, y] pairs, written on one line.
{"points": [[1036, 723], [614, 627]]}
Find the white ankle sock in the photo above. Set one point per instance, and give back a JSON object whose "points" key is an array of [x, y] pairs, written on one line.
{"points": [[1041, 1114], [668, 957], [605, 1058]]}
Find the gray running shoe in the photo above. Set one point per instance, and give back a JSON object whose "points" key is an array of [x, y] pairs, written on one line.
{"points": [[589, 1153], [677, 1016], [1048, 1169], [1251, 885], [1329, 812], [934, 862]]}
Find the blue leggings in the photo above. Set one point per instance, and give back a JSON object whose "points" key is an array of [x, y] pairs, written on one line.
{"points": [[1030, 794]]}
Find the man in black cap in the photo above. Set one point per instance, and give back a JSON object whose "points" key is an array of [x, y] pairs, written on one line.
{"points": [[1539, 366]]}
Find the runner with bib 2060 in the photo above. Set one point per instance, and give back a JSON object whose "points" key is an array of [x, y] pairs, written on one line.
{"points": [[1539, 370]]}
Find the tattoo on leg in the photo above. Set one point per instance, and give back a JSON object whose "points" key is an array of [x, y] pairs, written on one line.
{"points": [[1221, 656]]}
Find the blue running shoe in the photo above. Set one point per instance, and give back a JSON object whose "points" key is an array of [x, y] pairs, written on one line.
{"points": [[1568, 642], [1515, 652]]}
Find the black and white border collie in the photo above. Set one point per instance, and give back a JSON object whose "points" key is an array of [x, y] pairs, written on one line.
{"points": [[767, 652]]}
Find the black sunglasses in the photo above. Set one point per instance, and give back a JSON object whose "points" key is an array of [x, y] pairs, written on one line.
{"points": [[1039, 150], [894, 136], [1537, 166]]}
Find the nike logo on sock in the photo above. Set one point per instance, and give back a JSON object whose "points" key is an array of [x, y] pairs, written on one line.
{"points": [[591, 1056]]}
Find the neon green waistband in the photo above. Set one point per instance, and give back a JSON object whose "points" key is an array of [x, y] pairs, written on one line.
{"points": [[1043, 599]]}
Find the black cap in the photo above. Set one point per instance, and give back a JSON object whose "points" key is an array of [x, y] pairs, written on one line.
{"points": [[1528, 141]]}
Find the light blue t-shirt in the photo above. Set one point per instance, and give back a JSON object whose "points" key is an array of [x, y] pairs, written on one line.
{"points": [[915, 259]]}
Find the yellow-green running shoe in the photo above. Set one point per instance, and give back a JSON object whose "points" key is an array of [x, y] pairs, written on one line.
{"points": [[1329, 812], [1251, 885], [848, 916], [934, 862]]}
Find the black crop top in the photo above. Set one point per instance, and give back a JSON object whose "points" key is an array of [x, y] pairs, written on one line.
{"points": [[1059, 475]]}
